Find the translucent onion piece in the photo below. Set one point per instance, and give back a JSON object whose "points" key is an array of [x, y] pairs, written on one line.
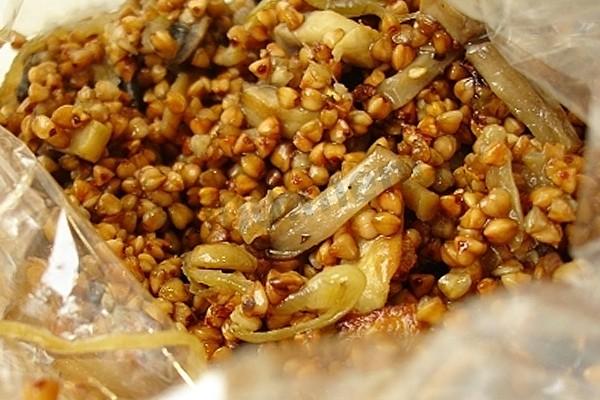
{"points": [[262, 5], [242, 10], [538, 226], [105, 343], [333, 291], [354, 50], [545, 118], [420, 199], [90, 141], [260, 102], [233, 282], [286, 39], [318, 219], [221, 256], [379, 260], [406, 84], [351, 8], [322, 290], [189, 38], [317, 23], [458, 25], [479, 9], [105, 72], [502, 176], [535, 176], [255, 218], [354, 47], [170, 120]]}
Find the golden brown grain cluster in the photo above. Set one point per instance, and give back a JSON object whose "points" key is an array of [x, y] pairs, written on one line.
{"points": [[163, 121]]}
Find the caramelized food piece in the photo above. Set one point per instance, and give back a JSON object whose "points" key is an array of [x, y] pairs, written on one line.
{"points": [[390, 320]]}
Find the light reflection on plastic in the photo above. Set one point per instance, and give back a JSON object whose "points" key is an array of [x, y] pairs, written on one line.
{"points": [[63, 264], [211, 385]]}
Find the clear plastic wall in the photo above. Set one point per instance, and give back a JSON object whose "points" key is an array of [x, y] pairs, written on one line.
{"points": [[59, 276]]}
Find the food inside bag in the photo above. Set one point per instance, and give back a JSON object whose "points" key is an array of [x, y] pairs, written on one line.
{"points": [[70, 311], [302, 192]]}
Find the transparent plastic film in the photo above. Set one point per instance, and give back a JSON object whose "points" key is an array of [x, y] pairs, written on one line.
{"points": [[69, 308], [536, 345], [72, 318], [555, 45], [8, 13]]}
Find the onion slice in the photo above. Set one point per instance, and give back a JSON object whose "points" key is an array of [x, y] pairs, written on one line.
{"points": [[170, 121], [188, 38], [379, 260], [233, 282], [501, 176], [458, 25], [332, 292], [221, 256], [260, 102], [424, 202], [351, 8], [347, 8], [255, 218], [406, 84], [106, 343], [318, 219], [353, 48], [545, 118]]}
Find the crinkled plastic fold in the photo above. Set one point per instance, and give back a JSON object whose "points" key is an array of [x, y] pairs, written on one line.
{"points": [[542, 342], [554, 43], [58, 275], [8, 13]]}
